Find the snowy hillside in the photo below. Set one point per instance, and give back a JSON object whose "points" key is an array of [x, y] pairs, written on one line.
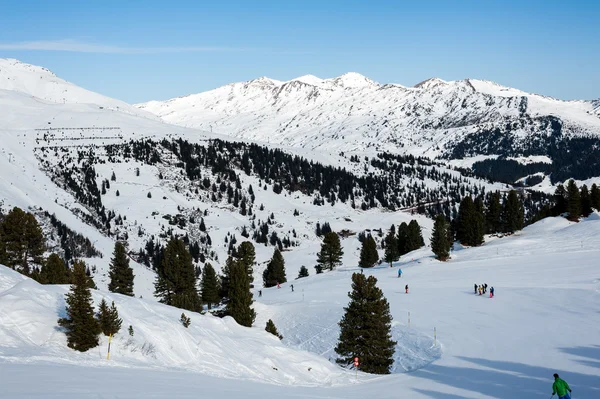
{"points": [[353, 113], [542, 320], [39, 82]]}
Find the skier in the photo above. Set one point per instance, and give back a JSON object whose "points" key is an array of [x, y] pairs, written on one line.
{"points": [[560, 388], [278, 286], [491, 292], [259, 293], [484, 288], [480, 290], [399, 272], [475, 288], [406, 288], [292, 287]]}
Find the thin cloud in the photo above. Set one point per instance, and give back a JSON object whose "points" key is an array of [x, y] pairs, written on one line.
{"points": [[75, 46]]}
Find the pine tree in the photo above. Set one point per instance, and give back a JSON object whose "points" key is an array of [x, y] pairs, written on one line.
{"points": [[493, 214], [365, 328], [331, 252], [270, 328], [120, 273], [470, 223], [247, 255], [225, 278], [54, 271], [595, 197], [560, 199], [303, 272], [368, 253], [82, 329], [402, 238], [108, 318], [414, 237], [586, 201], [440, 244], [21, 240], [240, 298], [176, 281], [209, 286], [275, 272], [130, 330], [573, 201], [391, 247], [513, 214]]}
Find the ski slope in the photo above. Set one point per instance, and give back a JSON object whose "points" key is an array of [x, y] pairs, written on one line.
{"points": [[543, 319]]}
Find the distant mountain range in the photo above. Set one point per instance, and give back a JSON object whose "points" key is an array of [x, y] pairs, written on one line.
{"points": [[354, 113]]}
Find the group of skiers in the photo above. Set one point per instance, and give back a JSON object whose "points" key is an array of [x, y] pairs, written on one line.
{"points": [[482, 289]]}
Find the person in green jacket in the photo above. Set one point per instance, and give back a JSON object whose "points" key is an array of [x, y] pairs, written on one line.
{"points": [[560, 387]]}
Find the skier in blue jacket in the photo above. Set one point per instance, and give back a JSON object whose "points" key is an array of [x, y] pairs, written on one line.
{"points": [[399, 272]]}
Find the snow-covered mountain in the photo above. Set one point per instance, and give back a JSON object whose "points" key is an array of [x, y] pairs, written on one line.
{"points": [[39, 82], [354, 113]]}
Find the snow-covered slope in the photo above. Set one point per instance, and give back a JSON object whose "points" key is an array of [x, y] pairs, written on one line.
{"points": [[542, 320], [41, 83], [353, 113]]}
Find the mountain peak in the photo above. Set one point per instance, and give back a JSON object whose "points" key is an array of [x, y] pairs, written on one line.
{"points": [[352, 80], [429, 83]]}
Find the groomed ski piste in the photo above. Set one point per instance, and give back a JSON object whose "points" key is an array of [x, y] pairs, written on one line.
{"points": [[543, 319]]}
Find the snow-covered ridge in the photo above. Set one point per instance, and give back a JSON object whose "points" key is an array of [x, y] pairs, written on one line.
{"points": [[353, 113], [41, 83]]}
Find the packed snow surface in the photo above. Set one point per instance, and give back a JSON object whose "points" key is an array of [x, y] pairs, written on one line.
{"points": [[543, 319]]}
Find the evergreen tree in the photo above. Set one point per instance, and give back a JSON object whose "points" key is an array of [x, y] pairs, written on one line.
{"points": [[82, 329], [368, 252], [303, 272], [595, 197], [493, 215], [513, 214], [275, 272], [560, 200], [240, 298], [365, 329], [573, 201], [414, 237], [470, 223], [440, 244], [209, 286], [402, 238], [247, 255], [270, 328], [392, 254], [54, 271], [225, 278], [331, 252], [120, 273], [108, 319], [176, 281], [586, 201], [130, 330], [21, 240]]}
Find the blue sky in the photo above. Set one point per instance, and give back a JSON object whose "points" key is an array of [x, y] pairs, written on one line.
{"points": [[142, 50]]}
